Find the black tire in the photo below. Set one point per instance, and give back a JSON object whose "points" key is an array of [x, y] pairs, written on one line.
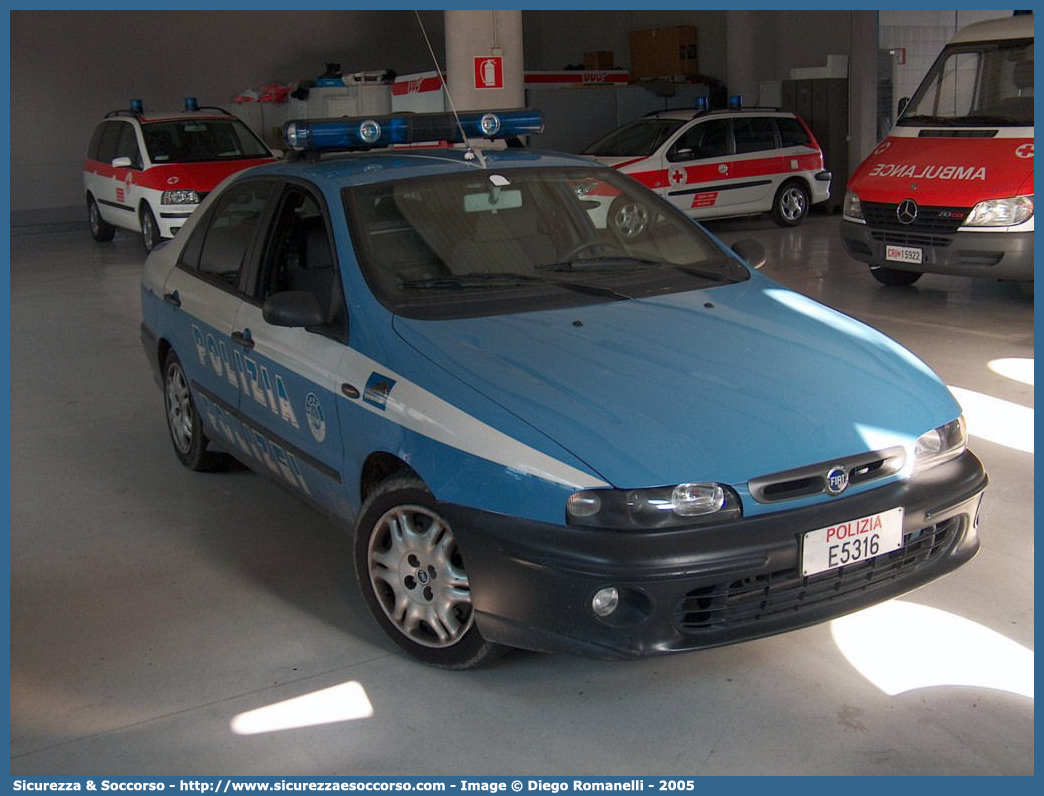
{"points": [[101, 230], [628, 219], [893, 276], [183, 421], [412, 575], [790, 204], [150, 233]]}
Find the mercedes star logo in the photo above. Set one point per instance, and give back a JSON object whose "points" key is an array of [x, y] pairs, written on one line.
{"points": [[907, 211]]}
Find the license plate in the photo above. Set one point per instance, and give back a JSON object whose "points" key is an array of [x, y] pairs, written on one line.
{"points": [[852, 541], [903, 254]]}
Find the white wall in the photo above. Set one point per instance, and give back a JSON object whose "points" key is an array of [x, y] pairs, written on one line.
{"points": [[69, 67], [922, 34]]}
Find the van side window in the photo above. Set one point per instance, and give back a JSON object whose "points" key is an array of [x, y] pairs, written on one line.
{"points": [[754, 134], [127, 145], [103, 144]]}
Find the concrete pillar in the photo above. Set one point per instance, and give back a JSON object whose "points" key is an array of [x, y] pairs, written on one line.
{"points": [[741, 55], [473, 34]]}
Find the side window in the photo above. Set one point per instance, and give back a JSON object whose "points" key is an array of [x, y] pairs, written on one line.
{"points": [[127, 145], [94, 148], [103, 145], [753, 133], [708, 139], [219, 245], [300, 257], [791, 133]]}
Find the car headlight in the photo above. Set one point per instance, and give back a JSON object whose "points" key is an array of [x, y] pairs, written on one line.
{"points": [[661, 507], [182, 197], [1000, 212], [853, 208], [940, 445]]}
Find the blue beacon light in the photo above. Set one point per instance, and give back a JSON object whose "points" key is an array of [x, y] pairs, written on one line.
{"points": [[316, 135]]}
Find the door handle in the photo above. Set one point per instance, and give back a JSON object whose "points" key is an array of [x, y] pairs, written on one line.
{"points": [[243, 338]]}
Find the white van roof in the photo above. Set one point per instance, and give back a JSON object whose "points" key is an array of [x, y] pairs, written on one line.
{"points": [[1013, 27]]}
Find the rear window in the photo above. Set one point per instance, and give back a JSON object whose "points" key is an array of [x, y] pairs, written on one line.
{"points": [[753, 133], [791, 132]]}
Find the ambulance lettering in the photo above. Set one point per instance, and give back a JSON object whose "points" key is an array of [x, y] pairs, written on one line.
{"points": [[914, 172]]}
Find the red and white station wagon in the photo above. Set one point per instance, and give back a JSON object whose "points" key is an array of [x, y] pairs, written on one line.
{"points": [[147, 172], [723, 162]]}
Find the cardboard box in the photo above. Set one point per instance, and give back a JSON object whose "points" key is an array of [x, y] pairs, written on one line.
{"points": [[663, 52], [599, 59]]}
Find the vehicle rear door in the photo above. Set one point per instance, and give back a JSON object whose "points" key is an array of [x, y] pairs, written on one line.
{"points": [[698, 166]]}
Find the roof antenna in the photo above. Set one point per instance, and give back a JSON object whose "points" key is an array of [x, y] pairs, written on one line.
{"points": [[471, 153]]}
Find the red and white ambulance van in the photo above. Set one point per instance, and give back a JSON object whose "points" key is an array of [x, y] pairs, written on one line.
{"points": [[950, 190]]}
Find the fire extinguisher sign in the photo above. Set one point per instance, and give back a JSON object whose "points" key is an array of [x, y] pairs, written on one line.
{"points": [[489, 71]]}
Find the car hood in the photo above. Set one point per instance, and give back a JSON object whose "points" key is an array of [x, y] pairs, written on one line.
{"points": [[618, 161], [724, 384]]}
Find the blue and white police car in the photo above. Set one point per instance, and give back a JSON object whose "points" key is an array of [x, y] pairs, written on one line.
{"points": [[545, 431]]}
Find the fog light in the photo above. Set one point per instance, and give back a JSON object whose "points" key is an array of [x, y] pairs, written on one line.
{"points": [[605, 601]]}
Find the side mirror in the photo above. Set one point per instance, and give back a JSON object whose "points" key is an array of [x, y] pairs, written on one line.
{"points": [[121, 163], [293, 308], [903, 102], [751, 251]]}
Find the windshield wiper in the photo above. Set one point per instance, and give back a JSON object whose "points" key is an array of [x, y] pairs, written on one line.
{"points": [[614, 263], [481, 279], [631, 263], [475, 279], [961, 121]]}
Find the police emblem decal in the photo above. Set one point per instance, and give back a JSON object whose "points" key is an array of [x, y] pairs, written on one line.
{"points": [[314, 413]]}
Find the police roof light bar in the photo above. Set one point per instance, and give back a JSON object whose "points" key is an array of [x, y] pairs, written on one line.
{"points": [[319, 135]]}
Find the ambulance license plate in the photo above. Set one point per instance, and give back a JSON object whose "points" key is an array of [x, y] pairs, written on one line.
{"points": [[852, 541], [904, 254]]}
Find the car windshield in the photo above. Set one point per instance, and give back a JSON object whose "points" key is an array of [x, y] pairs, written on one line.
{"points": [[642, 137], [195, 140], [497, 241], [986, 83]]}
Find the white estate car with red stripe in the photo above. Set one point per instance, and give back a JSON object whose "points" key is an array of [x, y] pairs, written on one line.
{"points": [[147, 172], [714, 163]]}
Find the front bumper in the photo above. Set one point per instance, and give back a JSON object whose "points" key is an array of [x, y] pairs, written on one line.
{"points": [[992, 255], [171, 218], [532, 583]]}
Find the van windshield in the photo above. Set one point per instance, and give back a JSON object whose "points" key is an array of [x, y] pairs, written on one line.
{"points": [[198, 140], [977, 84]]}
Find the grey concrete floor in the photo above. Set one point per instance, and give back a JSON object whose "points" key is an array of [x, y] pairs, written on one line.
{"points": [[152, 607]]}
